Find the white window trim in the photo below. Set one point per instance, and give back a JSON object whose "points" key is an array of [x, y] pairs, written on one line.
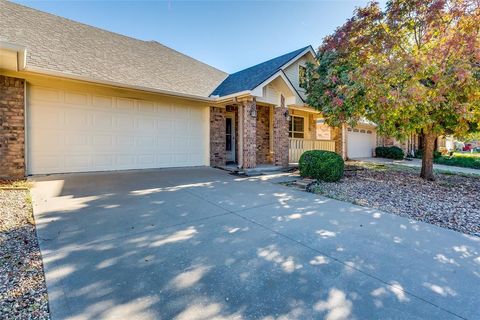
{"points": [[290, 128]]}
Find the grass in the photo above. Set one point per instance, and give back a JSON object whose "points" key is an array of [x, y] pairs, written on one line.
{"points": [[466, 160]]}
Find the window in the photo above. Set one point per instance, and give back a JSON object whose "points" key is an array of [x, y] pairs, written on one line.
{"points": [[302, 76], [295, 127]]}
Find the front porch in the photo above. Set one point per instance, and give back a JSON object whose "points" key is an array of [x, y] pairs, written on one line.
{"points": [[251, 134]]}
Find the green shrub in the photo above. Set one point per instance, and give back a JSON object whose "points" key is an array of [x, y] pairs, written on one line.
{"points": [[389, 152], [322, 165], [381, 152], [395, 153]]}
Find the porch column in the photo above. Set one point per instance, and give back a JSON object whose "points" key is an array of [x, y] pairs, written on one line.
{"points": [[280, 134], [249, 134], [217, 137]]}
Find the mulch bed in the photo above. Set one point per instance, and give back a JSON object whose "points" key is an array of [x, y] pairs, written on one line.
{"points": [[452, 201], [23, 293]]}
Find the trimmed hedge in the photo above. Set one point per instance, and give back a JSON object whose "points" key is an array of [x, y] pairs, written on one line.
{"points": [[389, 152], [322, 165]]}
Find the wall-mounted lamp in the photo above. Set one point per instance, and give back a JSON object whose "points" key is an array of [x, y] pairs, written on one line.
{"points": [[253, 112], [286, 115]]}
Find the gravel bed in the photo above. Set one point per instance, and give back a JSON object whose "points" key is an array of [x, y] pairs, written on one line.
{"points": [[23, 294], [451, 201]]}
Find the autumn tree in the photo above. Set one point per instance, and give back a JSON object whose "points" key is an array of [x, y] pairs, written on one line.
{"points": [[413, 67]]}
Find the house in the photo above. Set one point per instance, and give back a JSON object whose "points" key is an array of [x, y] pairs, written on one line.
{"points": [[75, 98]]}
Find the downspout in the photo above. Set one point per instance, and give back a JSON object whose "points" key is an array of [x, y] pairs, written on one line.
{"points": [[25, 126]]}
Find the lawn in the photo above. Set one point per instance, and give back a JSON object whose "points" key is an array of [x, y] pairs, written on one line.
{"points": [[467, 160], [23, 293]]}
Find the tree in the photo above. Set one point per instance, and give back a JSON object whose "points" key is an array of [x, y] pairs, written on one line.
{"points": [[411, 68]]}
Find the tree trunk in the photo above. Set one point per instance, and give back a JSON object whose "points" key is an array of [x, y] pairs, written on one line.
{"points": [[427, 158]]}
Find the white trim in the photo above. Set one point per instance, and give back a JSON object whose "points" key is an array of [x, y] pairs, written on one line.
{"points": [[116, 84], [293, 60], [21, 53], [240, 135], [293, 132], [25, 130], [281, 74], [231, 115]]}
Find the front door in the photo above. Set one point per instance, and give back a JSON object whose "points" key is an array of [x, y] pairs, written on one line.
{"points": [[230, 137]]}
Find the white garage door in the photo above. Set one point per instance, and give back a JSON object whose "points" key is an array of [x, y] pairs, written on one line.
{"points": [[76, 132], [360, 142]]}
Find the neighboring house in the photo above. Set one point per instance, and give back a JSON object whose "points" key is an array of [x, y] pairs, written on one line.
{"points": [[75, 98]]}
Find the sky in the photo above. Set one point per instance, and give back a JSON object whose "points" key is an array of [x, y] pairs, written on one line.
{"points": [[229, 35]]}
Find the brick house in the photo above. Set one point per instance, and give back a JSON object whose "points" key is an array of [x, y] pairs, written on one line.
{"points": [[74, 98]]}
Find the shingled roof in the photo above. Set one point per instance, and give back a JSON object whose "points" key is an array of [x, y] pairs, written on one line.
{"points": [[250, 78], [71, 48]]}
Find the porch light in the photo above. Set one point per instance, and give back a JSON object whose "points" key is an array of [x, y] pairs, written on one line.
{"points": [[253, 112], [286, 115]]}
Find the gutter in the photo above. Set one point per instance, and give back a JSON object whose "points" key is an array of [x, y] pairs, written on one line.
{"points": [[49, 72]]}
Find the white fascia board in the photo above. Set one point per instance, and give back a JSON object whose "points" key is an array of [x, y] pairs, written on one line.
{"points": [[117, 84], [258, 91], [307, 50], [20, 50]]}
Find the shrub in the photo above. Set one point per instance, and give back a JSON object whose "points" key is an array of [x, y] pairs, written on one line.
{"points": [[381, 152], [322, 165], [389, 152], [395, 153]]}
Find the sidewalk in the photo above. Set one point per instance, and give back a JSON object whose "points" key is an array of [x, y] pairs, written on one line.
{"points": [[417, 163]]}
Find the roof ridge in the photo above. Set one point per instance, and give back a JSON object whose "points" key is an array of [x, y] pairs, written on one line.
{"points": [[251, 77], [277, 57]]}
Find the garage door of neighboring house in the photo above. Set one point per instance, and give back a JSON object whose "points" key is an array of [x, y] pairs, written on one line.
{"points": [[76, 132], [360, 142]]}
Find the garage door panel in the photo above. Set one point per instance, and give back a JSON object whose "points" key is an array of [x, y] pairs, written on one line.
{"points": [[76, 98], [102, 102], [76, 131], [126, 105], [103, 120]]}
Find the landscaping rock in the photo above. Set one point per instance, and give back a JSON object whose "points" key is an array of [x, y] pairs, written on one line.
{"points": [[23, 293], [452, 201]]}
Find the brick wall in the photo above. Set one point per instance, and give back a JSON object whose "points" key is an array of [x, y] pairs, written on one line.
{"points": [[280, 135], [263, 135], [217, 136], [337, 136], [249, 134], [12, 127]]}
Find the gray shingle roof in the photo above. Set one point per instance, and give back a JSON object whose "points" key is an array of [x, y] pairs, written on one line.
{"points": [[250, 78], [66, 46]]}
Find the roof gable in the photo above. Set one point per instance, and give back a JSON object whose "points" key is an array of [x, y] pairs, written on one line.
{"points": [[250, 78]]}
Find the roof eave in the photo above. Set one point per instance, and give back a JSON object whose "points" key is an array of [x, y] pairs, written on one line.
{"points": [[55, 73]]}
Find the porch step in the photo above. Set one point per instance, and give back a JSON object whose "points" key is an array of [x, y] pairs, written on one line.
{"points": [[264, 169], [303, 184]]}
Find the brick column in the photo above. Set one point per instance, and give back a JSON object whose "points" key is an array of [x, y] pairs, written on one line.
{"points": [[337, 136], [249, 134], [280, 134], [217, 137], [12, 127]]}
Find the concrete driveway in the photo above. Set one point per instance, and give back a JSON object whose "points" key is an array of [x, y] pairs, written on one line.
{"points": [[199, 243]]}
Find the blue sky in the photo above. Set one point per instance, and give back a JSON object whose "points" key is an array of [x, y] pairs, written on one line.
{"points": [[229, 35]]}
